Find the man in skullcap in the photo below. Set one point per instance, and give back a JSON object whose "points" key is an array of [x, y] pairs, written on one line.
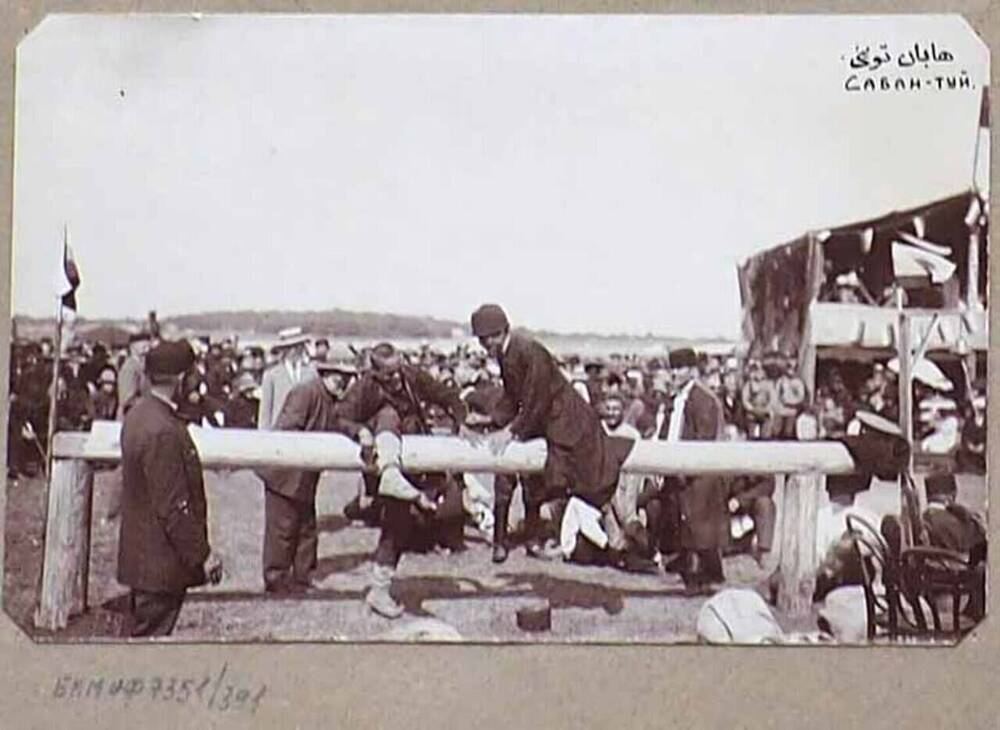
{"points": [[163, 544], [951, 525], [695, 507], [539, 402]]}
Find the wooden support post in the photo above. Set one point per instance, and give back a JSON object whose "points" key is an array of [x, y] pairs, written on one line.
{"points": [[972, 270], [797, 559], [66, 566], [906, 364]]}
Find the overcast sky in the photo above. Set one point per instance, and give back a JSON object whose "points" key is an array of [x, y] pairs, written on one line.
{"points": [[590, 173]]}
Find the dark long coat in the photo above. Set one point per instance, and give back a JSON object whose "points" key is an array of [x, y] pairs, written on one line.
{"points": [[539, 402], [704, 513], [366, 397], [309, 406], [163, 543]]}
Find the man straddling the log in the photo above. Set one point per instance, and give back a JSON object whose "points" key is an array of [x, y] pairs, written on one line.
{"points": [[163, 545], [290, 538], [538, 402], [389, 401]]}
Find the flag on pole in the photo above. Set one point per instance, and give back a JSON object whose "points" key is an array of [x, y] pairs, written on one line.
{"points": [[70, 279]]}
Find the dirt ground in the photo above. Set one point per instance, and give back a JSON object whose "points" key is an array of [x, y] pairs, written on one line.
{"points": [[465, 591]]}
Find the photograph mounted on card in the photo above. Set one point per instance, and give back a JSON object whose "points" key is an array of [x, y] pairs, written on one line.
{"points": [[534, 329]]}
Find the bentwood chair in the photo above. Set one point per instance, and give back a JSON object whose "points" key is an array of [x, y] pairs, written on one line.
{"points": [[934, 579], [879, 578]]}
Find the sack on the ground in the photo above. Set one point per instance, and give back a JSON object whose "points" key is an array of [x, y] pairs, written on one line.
{"points": [[844, 615], [737, 616]]}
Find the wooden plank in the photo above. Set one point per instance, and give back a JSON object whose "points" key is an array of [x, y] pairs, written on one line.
{"points": [[331, 451], [66, 559]]}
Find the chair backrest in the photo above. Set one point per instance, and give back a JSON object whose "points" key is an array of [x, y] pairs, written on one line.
{"points": [[877, 573]]}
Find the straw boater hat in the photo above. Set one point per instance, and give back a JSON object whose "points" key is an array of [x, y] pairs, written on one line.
{"points": [[290, 337], [927, 373], [876, 422]]}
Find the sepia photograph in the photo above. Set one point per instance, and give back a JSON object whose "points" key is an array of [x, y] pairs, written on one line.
{"points": [[617, 329]]}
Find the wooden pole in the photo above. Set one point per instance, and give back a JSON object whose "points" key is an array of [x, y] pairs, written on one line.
{"points": [[67, 543], [797, 561], [972, 269], [246, 448], [65, 567], [54, 391]]}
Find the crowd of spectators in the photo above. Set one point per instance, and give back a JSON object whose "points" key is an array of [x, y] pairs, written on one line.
{"points": [[762, 398]]}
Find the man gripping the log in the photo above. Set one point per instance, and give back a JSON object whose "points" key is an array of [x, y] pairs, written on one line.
{"points": [[538, 402], [389, 400]]}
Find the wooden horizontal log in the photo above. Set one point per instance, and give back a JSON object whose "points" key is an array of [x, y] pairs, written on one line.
{"points": [[331, 451]]}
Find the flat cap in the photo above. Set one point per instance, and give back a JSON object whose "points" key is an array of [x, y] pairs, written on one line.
{"points": [[488, 320], [170, 358], [683, 357], [244, 381], [344, 368]]}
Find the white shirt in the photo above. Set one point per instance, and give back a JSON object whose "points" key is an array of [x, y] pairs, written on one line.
{"points": [[831, 525], [294, 369], [677, 415]]}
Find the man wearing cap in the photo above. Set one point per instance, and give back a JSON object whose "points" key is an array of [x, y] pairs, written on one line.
{"points": [[163, 544], [291, 369], [790, 399], [321, 350], [696, 505], [131, 385], [950, 525], [106, 394], [240, 409], [954, 527], [388, 400], [595, 383], [131, 376], [539, 402], [759, 400], [290, 539]]}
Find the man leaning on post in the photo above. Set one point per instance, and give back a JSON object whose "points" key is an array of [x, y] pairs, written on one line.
{"points": [[163, 545]]}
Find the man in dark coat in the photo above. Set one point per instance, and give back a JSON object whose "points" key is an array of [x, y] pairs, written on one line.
{"points": [[163, 545], [389, 401], [696, 506], [290, 538], [539, 402], [240, 409], [952, 526], [483, 401]]}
